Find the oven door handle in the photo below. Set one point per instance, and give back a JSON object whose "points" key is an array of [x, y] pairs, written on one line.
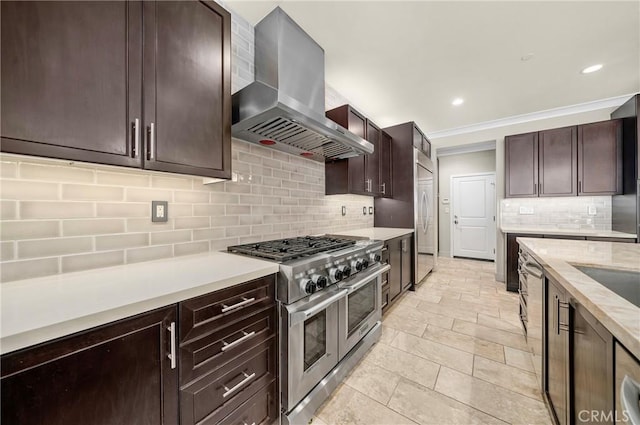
{"points": [[301, 316], [371, 273]]}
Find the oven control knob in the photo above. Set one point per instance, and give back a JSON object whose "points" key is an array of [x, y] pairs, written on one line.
{"points": [[335, 274], [375, 258], [319, 281], [346, 271], [365, 263], [357, 265], [308, 286]]}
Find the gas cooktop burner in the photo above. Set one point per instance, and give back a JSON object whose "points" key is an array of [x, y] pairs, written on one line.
{"points": [[288, 249]]}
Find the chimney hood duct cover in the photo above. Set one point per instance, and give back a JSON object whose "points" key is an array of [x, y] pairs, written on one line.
{"points": [[286, 102]]}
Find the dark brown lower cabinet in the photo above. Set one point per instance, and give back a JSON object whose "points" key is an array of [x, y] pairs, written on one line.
{"points": [[225, 371], [113, 374], [556, 349], [512, 277], [395, 274], [591, 367], [400, 277]]}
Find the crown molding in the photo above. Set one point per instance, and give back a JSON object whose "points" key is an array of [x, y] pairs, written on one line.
{"points": [[611, 102], [473, 147]]}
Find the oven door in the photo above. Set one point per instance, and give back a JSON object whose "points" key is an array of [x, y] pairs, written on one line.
{"points": [[310, 343], [361, 309]]}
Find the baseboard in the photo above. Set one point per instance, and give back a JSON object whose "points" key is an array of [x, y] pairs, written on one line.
{"points": [[500, 277]]}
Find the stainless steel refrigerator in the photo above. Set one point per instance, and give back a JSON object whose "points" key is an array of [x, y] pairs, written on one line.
{"points": [[424, 221]]}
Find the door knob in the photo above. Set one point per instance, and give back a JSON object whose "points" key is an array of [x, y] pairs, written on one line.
{"points": [[455, 219]]}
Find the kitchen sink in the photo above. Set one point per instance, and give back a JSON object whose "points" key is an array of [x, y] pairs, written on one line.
{"points": [[624, 283]]}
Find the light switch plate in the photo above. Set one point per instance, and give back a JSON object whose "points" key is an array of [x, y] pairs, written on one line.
{"points": [[159, 211], [370, 210], [592, 210]]}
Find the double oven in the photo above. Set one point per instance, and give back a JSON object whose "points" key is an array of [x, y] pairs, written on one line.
{"points": [[330, 313]]}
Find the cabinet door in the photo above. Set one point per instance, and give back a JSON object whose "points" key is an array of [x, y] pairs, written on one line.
{"points": [[115, 374], [407, 262], [395, 274], [373, 159], [417, 137], [556, 373], [71, 80], [187, 90], [357, 176], [627, 373], [600, 158], [592, 366], [426, 147], [386, 162], [521, 165], [558, 162]]}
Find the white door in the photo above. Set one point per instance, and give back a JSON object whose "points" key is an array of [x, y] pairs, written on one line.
{"points": [[473, 224]]}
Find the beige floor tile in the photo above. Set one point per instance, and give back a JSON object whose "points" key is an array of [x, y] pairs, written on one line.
{"points": [[472, 307], [406, 365], [400, 323], [448, 310], [490, 334], [430, 407], [509, 377], [518, 358], [409, 300], [436, 352], [388, 333], [410, 313], [500, 324], [373, 381], [350, 407], [425, 296], [491, 399], [314, 421], [432, 290], [464, 342]]}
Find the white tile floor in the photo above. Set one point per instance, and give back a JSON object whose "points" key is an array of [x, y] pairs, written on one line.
{"points": [[452, 352]]}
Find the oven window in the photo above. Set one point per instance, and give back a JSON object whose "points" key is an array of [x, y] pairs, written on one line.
{"points": [[315, 339], [361, 304]]}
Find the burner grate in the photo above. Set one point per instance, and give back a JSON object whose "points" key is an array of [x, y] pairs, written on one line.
{"points": [[290, 248]]}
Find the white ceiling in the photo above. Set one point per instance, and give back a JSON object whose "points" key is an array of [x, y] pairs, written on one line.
{"points": [[407, 60]]}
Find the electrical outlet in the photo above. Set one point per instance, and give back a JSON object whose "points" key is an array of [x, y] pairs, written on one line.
{"points": [[344, 210], [364, 210], [159, 211], [526, 211], [592, 210]]}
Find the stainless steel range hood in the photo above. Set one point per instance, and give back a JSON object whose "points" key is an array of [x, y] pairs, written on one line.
{"points": [[285, 104]]}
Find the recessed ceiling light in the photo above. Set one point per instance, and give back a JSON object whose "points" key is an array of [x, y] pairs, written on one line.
{"points": [[457, 101], [526, 57], [592, 68]]}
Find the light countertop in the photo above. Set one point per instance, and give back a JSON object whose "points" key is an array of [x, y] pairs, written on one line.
{"points": [[41, 309], [615, 313], [542, 230], [379, 233]]}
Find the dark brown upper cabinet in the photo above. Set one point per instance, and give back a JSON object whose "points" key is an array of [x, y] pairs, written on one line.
{"points": [[420, 141], [75, 80], [600, 158], [568, 161], [521, 165], [386, 165], [557, 162], [359, 175]]}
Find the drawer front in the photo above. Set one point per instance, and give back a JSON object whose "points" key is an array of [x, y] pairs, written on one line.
{"points": [[202, 315], [220, 346], [262, 408], [385, 298], [214, 396]]}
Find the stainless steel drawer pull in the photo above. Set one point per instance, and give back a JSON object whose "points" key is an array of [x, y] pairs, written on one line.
{"points": [[172, 336], [244, 301], [237, 386], [151, 133], [229, 345], [136, 137]]}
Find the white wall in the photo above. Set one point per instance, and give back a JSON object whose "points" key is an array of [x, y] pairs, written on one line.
{"points": [[467, 163], [498, 135]]}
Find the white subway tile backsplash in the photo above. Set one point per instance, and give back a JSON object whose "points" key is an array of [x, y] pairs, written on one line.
{"points": [[15, 270], [7, 251], [169, 237], [191, 222], [57, 173], [557, 213], [123, 179], [74, 263], [128, 209], [190, 248], [19, 189], [8, 210], [38, 209], [138, 255], [8, 169], [87, 192], [53, 247], [112, 242], [36, 229]]}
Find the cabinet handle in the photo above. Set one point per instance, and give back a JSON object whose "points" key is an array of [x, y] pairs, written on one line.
{"points": [[237, 386], [227, 346], [136, 137], [172, 336], [540, 188], [151, 133], [579, 186], [629, 394], [561, 326], [535, 188], [383, 188], [244, 301]]}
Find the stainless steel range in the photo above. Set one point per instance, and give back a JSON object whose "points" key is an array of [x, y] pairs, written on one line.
{"points": [[329, 291]]}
